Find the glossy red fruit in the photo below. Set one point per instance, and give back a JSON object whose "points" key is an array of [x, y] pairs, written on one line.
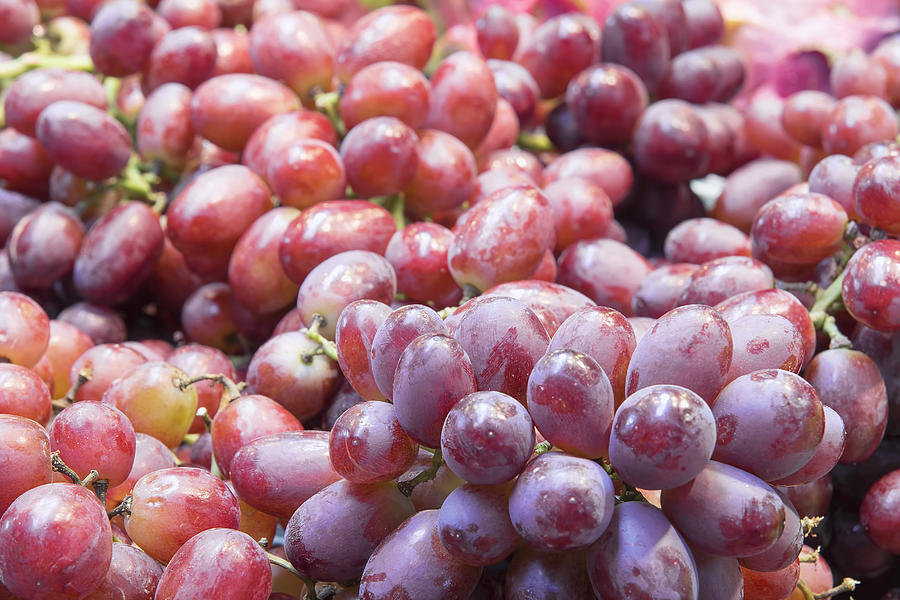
{"points": [[132, 575], [799, 228], [23, 393], [66, 521], [463, 98], [24, 329], [367, 444], [24, 456], [871, 287]]}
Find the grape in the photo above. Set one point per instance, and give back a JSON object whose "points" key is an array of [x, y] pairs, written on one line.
{"points": [[857, 73], [122, 37], [869, 289], [243, 420], [751, 186], [722, 278], [487, 438], [504, 339], [515, 159], [853, 551], [603, 334], [516, 87], [207, 218], [204, 14], [551, 302], [571, 401], [131, 575], [849, 382], [878, 513], [23, 393], [217, 563], [634, 37], [641, 555], [25, 166], [661, 288], [368, 445], [293, 48], [764, 342], [287, 369], [482, 254], [671, 142], [786, 549], [305, 173], [31, 92], [373, 38], [549, 575], [19, 19], [206, 318], [398, 330], [164, 131], [811, 498], [497, 32], [827, 453], [430, 494], [542, 508], [389, 89], [118, 253], [331, 536], [773, 415], [772, 302], [886, 54], [463, 98], [805, 114], [474, 524], [704, 23], [873, 193], [689, 346], [418, 254], [771, 585], [710, 73], [13, 207], [662, 437], [799, 228], [601, 166], [763, 128], [151, 396], [581, 210], [24, 456], [817, 575], [726, 511], [445, 174], [296, 463], [92, 436], [55, 542], [719, 577], [150, 455], [433, 374], [232, 51], [103, 364], [24, 329], [169, 506], [379, 156], [412, 563], [606, 101], [186, 56], [341, 279], [83, 139], [880, 347], [281, 131], [354, 332], [227, 109], [857, 120], [588, 267]]}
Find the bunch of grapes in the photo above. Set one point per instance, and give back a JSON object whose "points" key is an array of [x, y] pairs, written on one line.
{"points": [[307, 299]]}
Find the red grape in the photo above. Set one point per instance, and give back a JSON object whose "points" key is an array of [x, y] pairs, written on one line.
{"points": [[132, 575], [379, 156], [31, 92], [24, 329], [463, 98], [388, 89], [857, 120], [92, 436], [186, 55], [24, 457], [122, 37]]}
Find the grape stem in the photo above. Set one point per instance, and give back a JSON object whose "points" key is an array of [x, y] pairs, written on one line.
{"points": [[92, 479], [328, 347], [406, 487], [327, 104], [232, 392], [203, 414], [536, 142], [810, 523], [847, 585], [629, 492], [84, 376], [37, 59], [123, 508], [812, 557], [287, 566], [827, 301], [137, 182]]}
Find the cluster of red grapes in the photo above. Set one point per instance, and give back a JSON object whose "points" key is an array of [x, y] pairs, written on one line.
{"points": [[300, 299]]}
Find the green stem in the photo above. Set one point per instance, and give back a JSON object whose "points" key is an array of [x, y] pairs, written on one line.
{"points": [[231, 388], [287, 566], [629, 492], [406, 487], [36, 60], [327, 104], [536, 142], [826, 301], [328, 347], [395, 206]]}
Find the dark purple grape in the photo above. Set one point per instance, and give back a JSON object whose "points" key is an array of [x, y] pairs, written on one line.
{"points": [[474, 524], [122, 36], [640, 555], [632, 36], [671, 142], [400, 328], [606, 101], [44, 244], [535, 573]]}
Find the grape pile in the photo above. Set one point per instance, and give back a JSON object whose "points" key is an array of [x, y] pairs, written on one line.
{"points": [[307, 299]]}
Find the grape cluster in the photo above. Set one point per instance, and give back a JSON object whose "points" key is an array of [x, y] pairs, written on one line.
{"points": [[316, 299]]}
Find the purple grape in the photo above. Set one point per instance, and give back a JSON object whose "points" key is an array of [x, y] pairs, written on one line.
{"points": [[535, 573], [474, 524], [393, 336]]}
